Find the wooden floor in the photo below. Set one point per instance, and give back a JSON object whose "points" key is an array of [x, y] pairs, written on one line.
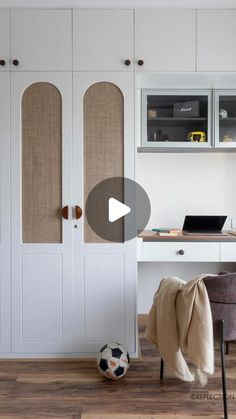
{"points": [[67, 389]]}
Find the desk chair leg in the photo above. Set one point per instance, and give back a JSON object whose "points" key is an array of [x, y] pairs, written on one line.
{"points": [[162, 369], [223, 369], [227, 347]]}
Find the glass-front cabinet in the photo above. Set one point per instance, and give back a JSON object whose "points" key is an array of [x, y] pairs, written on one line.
{"points": [[225, 118], [180, 118]]}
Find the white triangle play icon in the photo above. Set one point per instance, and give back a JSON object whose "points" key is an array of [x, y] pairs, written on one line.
{"points": [[116, 209]]}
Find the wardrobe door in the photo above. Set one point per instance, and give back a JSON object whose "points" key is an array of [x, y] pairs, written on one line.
{"points": [[4, 40], [103, 40], [41, 40], [165, 40], [104, 290], [5, 325], [41, 226]]}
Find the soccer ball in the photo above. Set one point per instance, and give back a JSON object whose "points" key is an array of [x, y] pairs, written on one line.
{"points": [[113, 361]]}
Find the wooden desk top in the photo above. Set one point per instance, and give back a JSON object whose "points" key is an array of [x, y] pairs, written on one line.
{"points": [[150, 236]]}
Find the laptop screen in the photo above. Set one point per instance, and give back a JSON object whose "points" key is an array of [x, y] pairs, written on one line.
{"points": [[202, 223]]}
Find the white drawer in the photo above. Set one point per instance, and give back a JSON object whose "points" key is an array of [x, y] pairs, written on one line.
{"points": [[228, 252], [181, 252]]}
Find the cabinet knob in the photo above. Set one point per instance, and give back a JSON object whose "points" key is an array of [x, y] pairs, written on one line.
{"points": [[140, 62], [127, 62], [15, 62], [65, 212], [2, 62], [78, 212], [181, 252]]}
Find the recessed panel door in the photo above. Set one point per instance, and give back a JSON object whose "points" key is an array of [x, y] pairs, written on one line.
{"points": [[41, 218]]}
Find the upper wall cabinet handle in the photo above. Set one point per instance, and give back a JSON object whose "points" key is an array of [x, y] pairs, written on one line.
{"points": [[15, 62], [127, 62], [140, 62], [78, 212], [65, 212], [2, 62]]}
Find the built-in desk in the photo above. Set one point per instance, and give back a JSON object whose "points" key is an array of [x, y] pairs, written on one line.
{"points": [[154, 248]]}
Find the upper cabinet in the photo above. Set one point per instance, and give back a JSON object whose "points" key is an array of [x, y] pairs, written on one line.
{"points": [[176, 118], [165, 40], [103, 40], [216, 34], [4, 40], [41, 40]]}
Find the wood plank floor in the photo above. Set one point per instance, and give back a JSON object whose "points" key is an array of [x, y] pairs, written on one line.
{"points": [[68, 389]]}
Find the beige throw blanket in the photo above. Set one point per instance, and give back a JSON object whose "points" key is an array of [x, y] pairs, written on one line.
{"points": [[180, 320]]}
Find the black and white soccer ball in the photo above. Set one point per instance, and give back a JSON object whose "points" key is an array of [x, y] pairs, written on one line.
{"points": [[113, 361]]}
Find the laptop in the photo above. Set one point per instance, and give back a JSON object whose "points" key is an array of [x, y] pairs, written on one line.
{"points": [[204, 224]]}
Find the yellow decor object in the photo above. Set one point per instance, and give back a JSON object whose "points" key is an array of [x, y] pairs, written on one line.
{"points": [[197, 136]]}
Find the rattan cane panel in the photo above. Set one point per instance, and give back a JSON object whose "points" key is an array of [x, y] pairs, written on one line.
{"points": [[41, 164], [103, 145]]}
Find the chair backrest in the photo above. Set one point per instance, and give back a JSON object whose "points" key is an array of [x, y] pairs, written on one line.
{"points": [[222, 295]]}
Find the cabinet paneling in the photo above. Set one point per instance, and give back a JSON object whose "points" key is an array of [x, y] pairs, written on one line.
{"points": [[41, 40], [5, 323], [103, 136], [165, 40], [5, 39], [41, 164], [41, 269], [216, 34], [103, 40]]}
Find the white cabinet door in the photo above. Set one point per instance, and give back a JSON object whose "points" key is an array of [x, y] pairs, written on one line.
{"points": [[216, 33], [41, 105], [41, 40], [103, 40], [4, 40], [5, 213], [165, 40], [104, 289]]}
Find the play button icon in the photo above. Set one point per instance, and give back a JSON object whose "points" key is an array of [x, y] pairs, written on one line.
{"points": [[116, 210]]}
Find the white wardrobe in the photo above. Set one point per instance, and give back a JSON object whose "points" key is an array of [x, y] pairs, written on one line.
{"points": [[64, 290], [67, 93]]}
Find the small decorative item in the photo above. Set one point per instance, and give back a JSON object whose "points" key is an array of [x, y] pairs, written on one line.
{"points": [[197, 136], [113, 361], [187, 109], [223, 114], [152, 114], [227, 139]]}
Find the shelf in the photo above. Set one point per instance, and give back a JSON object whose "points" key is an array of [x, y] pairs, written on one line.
{"points": [[179, 119], [227, 119], [186, 150]]}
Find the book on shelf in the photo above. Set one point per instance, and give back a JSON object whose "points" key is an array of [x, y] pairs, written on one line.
{"points": [[167, 231]]}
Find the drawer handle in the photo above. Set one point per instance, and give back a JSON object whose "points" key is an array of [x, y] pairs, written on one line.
{"points": [[2, 62], [127, 62], [181, 252], [15, 62]]}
